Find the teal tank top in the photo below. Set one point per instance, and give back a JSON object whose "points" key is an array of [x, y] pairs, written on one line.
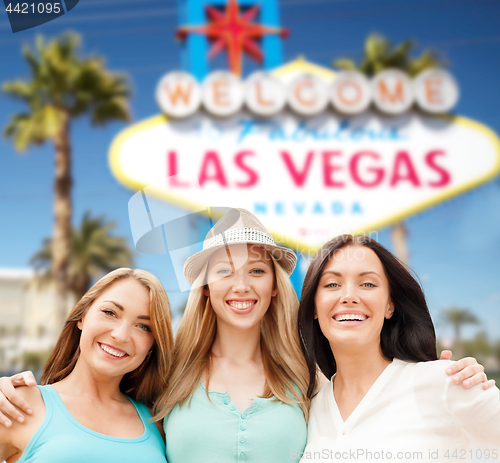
{"points": [[60, 438]]}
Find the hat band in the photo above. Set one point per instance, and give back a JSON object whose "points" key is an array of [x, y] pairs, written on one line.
{"points": [[239, 235]]}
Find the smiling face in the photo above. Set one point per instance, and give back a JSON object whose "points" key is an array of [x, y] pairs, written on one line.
{"points": [[116, 330], [241, 285], [352, 298]]}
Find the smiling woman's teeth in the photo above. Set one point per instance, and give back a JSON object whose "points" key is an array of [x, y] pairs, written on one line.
{"points": [[111, 351], [350, 317], [240, 305]]}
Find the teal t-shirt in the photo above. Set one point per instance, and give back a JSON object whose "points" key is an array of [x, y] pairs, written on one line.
{"points": [[215, 431], [62, 439]]}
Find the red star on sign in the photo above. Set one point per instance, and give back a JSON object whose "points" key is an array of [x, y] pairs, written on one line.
{"points": [[235, 32]]}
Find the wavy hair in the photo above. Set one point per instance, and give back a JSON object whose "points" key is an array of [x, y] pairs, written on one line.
{"points": [[284, 365], [147, 382], [407, 335]]}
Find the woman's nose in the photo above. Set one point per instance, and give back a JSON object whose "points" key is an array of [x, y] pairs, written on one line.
{"points": [[241, 282], [121, 332], [349, 295]]}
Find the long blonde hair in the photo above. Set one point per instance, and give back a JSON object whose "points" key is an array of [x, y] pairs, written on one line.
{"points": [[149, 380], [284, 364]]}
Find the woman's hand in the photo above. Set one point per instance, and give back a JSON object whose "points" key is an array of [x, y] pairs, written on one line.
{"points": [[10, 399], [467, 371]]}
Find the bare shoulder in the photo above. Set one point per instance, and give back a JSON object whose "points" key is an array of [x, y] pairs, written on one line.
{"points": [[14, 439], [33, 396], [25, 430], [30, 394]]}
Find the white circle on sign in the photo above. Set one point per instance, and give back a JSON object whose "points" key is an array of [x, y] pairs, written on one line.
{"points": [[222, 93], [351, 92], [307, 95], [392, 91], [178, 94], [436, 91], [264, 94]]}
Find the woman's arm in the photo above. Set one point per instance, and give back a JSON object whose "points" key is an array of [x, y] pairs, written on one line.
{"points": [[466, 371], [7, 450], [11, 401], [478, 414], [14, 440]]}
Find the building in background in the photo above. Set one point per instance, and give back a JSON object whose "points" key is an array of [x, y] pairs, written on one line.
{"points": [[27, 319]]}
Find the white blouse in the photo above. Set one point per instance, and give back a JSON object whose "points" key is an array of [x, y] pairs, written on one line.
{"points": [[413, 412]]}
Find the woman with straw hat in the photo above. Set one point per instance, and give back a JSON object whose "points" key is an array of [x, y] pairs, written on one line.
{"points": [[239, 382]]}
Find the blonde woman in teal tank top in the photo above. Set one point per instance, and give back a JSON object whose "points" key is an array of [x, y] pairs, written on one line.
{"points": [[112, 358]]}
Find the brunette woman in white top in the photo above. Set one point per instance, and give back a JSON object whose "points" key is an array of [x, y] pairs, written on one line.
{"points": [[364, 321]]}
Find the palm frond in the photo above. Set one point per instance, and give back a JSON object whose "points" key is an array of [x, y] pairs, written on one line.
{"points": [[19, 89], [345, 63], [95, 250], [379, 54], [376, 47], [62, 82]]}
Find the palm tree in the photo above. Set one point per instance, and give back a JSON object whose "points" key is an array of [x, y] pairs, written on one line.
{"points": [[94, 252], [63, 86], [458, 317], [380, 54]]}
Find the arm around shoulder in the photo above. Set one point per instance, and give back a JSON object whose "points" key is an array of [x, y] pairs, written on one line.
{"points": [[14, 439], [477, 411]]}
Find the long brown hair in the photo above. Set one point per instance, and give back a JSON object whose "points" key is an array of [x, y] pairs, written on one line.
{"points": [[147, 381], [408, 335], [284, 365]]}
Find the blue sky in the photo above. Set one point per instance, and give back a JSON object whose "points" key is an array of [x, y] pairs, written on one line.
{"points": [[455, 246]]}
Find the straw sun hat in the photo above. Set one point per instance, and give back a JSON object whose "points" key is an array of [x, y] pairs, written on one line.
{"points": [[235, 227]]}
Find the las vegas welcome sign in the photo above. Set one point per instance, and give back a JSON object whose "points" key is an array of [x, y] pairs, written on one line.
{"points": [[312, 153]]}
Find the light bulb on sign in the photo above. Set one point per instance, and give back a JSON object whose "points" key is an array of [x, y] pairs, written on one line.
{"points": [[436, 91], [307, 95], [264, 94], [350, 92], [178, 94], [222, 93], [392, 91]]}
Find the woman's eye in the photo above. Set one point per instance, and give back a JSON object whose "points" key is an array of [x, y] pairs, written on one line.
{"points": [[258, 271], [369, 285], [224, 271], [108, 312], [145, 328], [332, 285]]}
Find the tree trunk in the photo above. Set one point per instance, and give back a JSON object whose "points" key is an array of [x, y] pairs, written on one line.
{"points": [[458, 347], [398, 237], [80, 285], [61, 244]]}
